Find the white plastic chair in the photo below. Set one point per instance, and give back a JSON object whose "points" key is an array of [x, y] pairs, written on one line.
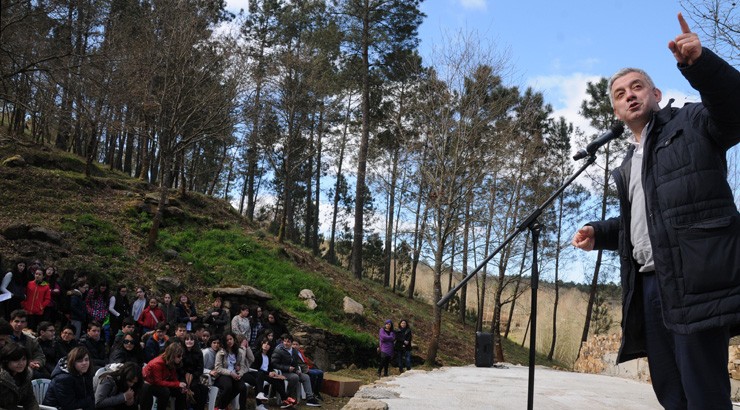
{"points": [[213, 392], [40, 386]]}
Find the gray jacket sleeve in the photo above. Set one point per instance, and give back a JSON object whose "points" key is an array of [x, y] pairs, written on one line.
{"points": [[106, 394]]}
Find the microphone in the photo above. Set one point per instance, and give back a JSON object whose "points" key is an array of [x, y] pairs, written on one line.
{"points": [[616, 131]]}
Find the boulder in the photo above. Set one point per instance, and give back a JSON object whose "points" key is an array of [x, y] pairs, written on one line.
{"points": [[352, 307], [358, 403], [244, 291], [168, 284], [310, 304], [32, 232], [40, 233], [170, 254], [16, 161], [306, 294]]}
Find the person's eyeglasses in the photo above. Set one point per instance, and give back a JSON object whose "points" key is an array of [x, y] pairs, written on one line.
{"points": [[128, 342]]}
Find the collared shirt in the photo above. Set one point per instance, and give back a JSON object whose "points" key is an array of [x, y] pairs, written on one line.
{"points": [[642, 249]]}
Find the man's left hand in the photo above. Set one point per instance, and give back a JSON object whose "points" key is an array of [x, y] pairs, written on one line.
{"points": [[686, 47]]}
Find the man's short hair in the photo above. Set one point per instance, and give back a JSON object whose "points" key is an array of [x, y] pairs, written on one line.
{"points": [[244, 307], [214, 338], [621, 73], [18, 314], [43, 326], [181, 326], [162, 326], [286, 336], [92, 324], [128, 321]]}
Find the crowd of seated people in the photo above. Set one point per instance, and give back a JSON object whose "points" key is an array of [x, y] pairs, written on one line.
{"points": [[101, 349]]}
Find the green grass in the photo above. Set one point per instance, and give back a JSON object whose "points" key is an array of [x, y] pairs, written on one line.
{"points": [[96, 236], [230, 257]]}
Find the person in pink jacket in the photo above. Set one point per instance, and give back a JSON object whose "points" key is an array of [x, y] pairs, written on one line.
{"points": [[38, 297]]}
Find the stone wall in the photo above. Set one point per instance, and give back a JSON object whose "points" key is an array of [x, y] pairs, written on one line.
{"points": [[599, 356], [330, 351]]}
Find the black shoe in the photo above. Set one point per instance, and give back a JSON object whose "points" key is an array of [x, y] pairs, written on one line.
{"points": [[311, 401]]}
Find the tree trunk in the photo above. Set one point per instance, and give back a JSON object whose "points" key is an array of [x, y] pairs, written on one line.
{"points": [[437, 323], [389, 225], [317, 200], [466, 232], [517, 284], [358, 237], [418, 230], [163, 199], [557, 274], [331, 255]]}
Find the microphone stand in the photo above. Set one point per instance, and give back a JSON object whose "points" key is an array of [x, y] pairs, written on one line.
{"points": [[531, 223]]}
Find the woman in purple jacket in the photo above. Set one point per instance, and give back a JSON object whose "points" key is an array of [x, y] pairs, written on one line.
{"points": [[386, 337]]}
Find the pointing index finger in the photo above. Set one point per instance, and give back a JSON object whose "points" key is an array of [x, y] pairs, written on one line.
{"points": [[684, 26]]}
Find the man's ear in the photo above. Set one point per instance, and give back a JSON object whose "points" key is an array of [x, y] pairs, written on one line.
{"points": [[658, 94]]}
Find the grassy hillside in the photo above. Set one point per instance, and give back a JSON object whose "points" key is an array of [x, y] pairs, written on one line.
{"points": [[103, 221]]}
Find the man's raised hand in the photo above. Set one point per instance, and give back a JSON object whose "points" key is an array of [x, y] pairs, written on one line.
{"points": [[686, 47]]}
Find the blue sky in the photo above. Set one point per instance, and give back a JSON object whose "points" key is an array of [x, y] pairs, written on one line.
{"points": [[556, 47]]}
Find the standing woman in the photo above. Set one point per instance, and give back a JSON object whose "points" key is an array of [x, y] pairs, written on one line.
{"points": [[160, 379], [15, 378], [71, 383], [186, 312], [38, 297], [137, 307], [386, 337], [151, 317], [51, 312], [169, 308], [119, 308], [119, 389], [217, 318], [403, 345], [97, 302], [17, 280]]}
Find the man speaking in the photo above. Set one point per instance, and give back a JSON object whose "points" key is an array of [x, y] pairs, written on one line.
{"points": [[678, 233]]}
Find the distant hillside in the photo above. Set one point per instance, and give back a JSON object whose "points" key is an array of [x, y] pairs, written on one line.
{"points": [[98, 225]]}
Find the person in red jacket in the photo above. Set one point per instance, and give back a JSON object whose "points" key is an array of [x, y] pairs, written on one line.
{"points": [[160, 379], [151, 316], [38, 297]]}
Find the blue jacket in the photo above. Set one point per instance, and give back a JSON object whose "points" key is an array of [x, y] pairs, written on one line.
{"points": [[693, 223], [68, 391]]}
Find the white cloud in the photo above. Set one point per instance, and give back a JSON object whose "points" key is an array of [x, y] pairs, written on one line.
{"points": [[236, 5], [474, 4], [565, 93]]}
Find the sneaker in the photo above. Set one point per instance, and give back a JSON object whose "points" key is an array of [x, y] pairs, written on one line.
{"points": [[292, 401], [261, 396], [318, 396], [286, 405], [311, 401]]}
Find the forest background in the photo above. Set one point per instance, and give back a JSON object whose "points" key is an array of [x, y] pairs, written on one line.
{"points": [[424, 161]]}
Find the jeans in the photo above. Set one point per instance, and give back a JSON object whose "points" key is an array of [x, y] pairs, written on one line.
{"points": [[404, 358]]}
